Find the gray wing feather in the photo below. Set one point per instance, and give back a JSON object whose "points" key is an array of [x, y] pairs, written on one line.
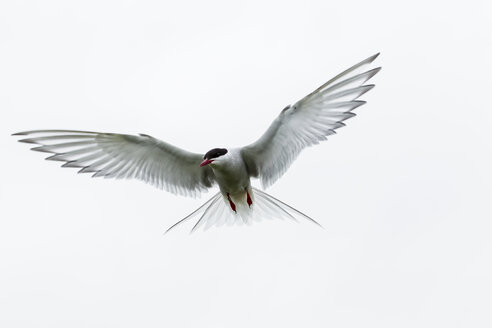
{"points": [[122, 156], [307, 122]]}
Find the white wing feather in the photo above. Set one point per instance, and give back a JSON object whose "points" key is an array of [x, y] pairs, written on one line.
{"points": [[121, 156], [306, 123]]}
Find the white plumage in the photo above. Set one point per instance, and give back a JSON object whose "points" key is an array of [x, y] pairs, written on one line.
{"points": [[119, 156], [307, 122]]}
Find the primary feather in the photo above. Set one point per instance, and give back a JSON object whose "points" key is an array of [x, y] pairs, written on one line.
{"points": [[121, 156], [307, 122]]}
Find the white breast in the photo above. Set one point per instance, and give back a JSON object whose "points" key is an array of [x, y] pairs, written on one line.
{"points": [[230, 172]]}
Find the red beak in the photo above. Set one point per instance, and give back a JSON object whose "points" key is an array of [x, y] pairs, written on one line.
{"points": [[206, 162]]}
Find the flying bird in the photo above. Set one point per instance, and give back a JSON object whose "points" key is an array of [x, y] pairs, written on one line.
{"points": [[304, 123]]}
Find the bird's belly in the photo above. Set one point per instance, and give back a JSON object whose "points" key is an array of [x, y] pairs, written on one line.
{"points": [[233, 181], [237, 193], [233, 184]]}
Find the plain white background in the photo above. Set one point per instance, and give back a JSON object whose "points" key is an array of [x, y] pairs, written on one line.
{"points": [[403, 191]]}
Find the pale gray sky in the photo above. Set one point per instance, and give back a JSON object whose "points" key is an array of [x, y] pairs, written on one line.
{"points": [[403, 191]]}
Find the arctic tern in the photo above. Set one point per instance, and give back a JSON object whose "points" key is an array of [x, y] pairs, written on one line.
{"points": [[305, 123]]}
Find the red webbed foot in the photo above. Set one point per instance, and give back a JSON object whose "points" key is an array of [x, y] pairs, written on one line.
{"points": [[231, 203], [248, 199]]}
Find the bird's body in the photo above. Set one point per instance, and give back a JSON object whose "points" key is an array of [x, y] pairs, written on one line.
{"points": [[234, 182], [305, 123], [231, 173]]}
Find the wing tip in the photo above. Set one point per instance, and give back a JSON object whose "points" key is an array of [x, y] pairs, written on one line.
{"points": [[55, 157], [72, 164], [27, 140], [370, 73], [373, 57], [87, 169], [42, 149], [375, 70], [25, 133]]}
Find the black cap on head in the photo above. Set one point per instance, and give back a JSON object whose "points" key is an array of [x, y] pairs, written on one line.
{"points": [[214, 153]]}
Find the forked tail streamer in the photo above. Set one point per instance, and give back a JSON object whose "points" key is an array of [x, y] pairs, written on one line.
{"points": [[218, 212]]}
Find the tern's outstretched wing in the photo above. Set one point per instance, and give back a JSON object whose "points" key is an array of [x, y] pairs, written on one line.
{"points": [[307, 122], [112, 155]]}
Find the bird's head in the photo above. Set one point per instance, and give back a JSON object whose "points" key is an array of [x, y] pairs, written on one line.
{"points": [[213, 156]]}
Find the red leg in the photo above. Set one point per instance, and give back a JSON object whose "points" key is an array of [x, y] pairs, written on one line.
{"points": [[248, 199], [231, 203]]}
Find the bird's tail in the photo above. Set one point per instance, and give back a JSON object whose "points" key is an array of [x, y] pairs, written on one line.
{"points": [[217, 212]]}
